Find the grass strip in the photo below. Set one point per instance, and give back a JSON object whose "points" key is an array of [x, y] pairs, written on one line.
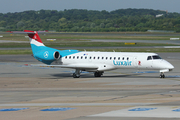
{"points": [[81, 44], [154, 50]]}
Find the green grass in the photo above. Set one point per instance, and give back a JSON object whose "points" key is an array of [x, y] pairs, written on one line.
{"points": [[114, 36], [149, 50], [154, 50], [81, 44], [14, 45], [72, 40], [15, 52]]}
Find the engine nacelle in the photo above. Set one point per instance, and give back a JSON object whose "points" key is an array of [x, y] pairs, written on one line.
{"points": [[47, 57]]}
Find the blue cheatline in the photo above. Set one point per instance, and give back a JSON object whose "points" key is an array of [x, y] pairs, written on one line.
{"points": [[142, 109], [175, 76], [177, 110], [13, 109], [57, 109]]}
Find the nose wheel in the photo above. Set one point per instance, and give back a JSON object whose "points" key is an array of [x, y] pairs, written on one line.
{"points": [[162, 75]]}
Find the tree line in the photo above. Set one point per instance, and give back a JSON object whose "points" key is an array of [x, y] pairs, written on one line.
{"points": [[78, 20]]}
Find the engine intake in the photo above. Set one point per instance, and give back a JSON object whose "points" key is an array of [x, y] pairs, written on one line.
{"points": [[56, 55]]}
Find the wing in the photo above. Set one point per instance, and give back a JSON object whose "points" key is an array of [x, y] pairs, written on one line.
{"points": [[74, 66]]}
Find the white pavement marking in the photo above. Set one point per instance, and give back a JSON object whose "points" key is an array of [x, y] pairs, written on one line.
{"points": [[171, 46], [152, 111]]}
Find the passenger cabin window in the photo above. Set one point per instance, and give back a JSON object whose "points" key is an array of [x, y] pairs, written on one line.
{"points": [[73, 57], [69, 57], [110, 58], [102, 58], [114, 58], [77, 57], [118, 58], [123, 58], [127, 58], [89, 57], [106, 58]]}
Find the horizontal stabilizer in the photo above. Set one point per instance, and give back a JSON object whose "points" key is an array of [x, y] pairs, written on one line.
{"points": [[27, 31]]}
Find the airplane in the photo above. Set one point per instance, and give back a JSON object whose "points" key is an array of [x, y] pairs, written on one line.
{"points": [[96, 62]]}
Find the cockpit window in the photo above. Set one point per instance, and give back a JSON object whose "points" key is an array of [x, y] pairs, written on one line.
{"points": [[156, 57], [149, 58]]}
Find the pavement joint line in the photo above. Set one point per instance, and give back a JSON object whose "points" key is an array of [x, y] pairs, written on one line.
{"points": [[76, 104]]}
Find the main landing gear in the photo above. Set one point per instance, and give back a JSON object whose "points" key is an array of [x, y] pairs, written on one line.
{"points": [[76, 74], [162, 75], [98, 74]]}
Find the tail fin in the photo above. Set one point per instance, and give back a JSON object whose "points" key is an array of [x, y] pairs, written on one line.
{"points": [[40, 51], [33, 35], [35, 41]]}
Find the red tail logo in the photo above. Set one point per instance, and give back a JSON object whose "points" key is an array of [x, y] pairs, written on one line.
{"points": [[33, 35]]}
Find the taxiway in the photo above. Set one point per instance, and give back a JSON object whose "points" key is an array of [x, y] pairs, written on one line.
{"points": [[111, 96]]}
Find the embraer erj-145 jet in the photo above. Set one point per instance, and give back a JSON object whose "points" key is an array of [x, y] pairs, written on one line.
{"points": [[96, 62]]}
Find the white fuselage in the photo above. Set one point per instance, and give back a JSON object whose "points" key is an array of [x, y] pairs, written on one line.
{"points": [[115, 60], [97, 62]]}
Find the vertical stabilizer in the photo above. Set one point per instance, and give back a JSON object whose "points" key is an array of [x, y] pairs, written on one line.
{"points": [[34, 37], [35, 41], [40, 51]]}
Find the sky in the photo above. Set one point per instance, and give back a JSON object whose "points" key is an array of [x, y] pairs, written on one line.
{"points": [[108, 5]]}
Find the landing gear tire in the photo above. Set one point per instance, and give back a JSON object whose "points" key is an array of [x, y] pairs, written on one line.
{"points": [[162, 75], [75, 76], [98, 74]]}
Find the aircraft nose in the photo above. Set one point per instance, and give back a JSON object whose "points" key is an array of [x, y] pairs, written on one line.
{"points": [[168, 65], [171, 66]]}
